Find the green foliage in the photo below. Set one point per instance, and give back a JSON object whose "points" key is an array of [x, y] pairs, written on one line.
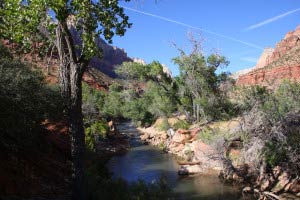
{"points": [[181, 124], [276, 104], [24, 19], [156, 100], [92, 104], [113, 104], [249, 96], [206, 135], [164, 125], [198, 83], [161, 101], [97, 130], [25, 102], [274, 154]]}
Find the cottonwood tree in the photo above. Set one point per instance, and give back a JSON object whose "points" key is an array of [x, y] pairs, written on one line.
{"points": [[198, 82], [22, 20]]}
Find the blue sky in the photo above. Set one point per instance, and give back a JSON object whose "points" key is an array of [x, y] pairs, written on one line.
{"points": [[238, 29]]}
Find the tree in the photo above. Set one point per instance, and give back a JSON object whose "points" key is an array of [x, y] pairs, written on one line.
{"points": [[158, 97], [63, 23], [198, 82]]}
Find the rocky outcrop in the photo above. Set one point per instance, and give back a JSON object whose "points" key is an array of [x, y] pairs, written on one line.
{"points": [[270, 76], [265, 58], [275, 65]]}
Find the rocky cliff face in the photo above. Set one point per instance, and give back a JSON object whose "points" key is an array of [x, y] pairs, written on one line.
{"points": [[274, 65], [112, 57]]}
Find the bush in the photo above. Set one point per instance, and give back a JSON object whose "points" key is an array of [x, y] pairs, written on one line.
{"points": [[181, 124], [25, 102], [97, 130], [206, 135], [274, 155], [164, 125]]}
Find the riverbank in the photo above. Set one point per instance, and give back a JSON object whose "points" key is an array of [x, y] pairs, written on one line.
{"points": [[201, 153], [150, 164]]}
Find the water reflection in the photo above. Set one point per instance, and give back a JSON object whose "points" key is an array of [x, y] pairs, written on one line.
{"points": [[147, 163]]}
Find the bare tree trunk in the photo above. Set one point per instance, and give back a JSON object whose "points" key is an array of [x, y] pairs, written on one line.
{"points": [[77, 135], [70, 76], [194, 110], [198, 112]]}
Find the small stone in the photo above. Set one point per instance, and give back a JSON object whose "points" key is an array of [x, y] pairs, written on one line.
{"points": [[247, 190]]}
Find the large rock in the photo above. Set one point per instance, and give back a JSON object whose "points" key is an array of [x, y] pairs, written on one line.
{"points": [[190, 169], [179, 137], [207, 155], [283, 180], [295, 186]]}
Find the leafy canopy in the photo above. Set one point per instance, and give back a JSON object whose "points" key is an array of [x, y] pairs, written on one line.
{"points": [[24, 19]]}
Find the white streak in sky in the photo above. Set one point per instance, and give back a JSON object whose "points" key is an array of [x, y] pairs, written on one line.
{"points": [[270, 20], [196, 28]]}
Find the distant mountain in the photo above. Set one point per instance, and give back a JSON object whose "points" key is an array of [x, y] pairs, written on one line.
{"points": [[274, 65], [112, 57]]}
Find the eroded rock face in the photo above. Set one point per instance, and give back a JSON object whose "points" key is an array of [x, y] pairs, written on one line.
{"points": [[275, 65], [270, 76], [265, 58]]}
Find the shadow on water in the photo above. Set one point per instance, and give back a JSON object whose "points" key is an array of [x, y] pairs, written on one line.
{"points": [[148, 163]]}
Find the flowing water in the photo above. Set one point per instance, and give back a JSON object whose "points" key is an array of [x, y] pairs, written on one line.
{"points": [[148, 163]]}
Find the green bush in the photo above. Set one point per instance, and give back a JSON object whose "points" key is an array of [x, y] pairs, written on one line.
{"points": [[274, 155], [25, 102], [98, 130], [164, 125], [183, 124], [206, 135]]}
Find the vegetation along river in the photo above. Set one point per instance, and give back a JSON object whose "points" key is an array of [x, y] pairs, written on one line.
{"points": [[149, 163]]}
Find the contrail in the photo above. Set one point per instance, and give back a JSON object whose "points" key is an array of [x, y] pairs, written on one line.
{"points": [[270, 20], [196, 28]]}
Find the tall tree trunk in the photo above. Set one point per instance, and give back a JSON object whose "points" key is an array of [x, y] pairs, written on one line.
{"points": [[198, 112], [71, 89], [77, 134]]}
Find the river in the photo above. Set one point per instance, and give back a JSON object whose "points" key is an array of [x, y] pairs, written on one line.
{"points": [[148, 163]]}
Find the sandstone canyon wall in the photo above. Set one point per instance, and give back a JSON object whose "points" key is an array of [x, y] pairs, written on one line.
{"points": [[274, 65]]}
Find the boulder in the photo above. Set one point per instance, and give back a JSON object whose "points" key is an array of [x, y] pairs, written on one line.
{"points": [[283, 180], [190, 169], [295, 186], [178, 137], [145, 136], [247, 189]]}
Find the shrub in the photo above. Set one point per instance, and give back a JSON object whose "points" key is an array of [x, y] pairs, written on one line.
{"points": [[181, 124], [206, 135], [164, 125], [274, 155], [25, 102], [98, 130]]}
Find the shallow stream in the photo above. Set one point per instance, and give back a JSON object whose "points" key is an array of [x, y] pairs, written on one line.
{"points": [[149, 163]]}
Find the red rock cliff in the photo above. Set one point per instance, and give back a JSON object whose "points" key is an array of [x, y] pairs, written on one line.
{"points": [[275, 65]]}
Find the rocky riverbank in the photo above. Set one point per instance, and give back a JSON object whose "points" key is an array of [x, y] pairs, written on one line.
{"points": [[198, 152]]}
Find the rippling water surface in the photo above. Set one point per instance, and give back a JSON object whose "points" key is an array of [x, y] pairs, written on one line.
{"points": [[147, 163]]}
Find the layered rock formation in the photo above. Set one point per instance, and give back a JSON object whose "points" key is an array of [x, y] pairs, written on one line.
{"points": [[274, 65]]}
